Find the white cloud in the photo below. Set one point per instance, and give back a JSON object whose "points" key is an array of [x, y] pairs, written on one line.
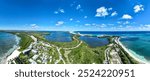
{"points": [[55, 12], [119, 22], [101, 12], [60, 10], [87, 24], [71, 19], [85, 17], [59, 23], [138, 8], [103, 25], [126, 16], [93, 24], [148, 25], [109, 9], [114, 13], [78, 7], [34, 25]]}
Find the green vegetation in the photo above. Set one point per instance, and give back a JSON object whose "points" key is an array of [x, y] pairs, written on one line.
{"points": [[125, 57], [39, 35], [78, 55], [128, 58], [62, 51], [54, 54], [22, 59], [25, 40], [87, 55], [61, 62]]}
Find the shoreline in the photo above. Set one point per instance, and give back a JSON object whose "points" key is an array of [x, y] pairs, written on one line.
{"points": [[127, 50], [13, 55]]}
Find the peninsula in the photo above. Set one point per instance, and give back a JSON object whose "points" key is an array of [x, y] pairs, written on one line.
{"points": [[34, 48]]}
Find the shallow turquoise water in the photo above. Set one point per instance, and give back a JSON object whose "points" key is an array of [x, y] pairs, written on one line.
{"points": [[7, 42], [138, 42]]}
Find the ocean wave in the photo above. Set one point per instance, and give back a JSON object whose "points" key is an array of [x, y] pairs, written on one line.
{"points": [[10, 51], [139, 56]]}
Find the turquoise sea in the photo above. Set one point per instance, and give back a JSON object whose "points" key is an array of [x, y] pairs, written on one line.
{"points": [[137, 42], [8, 43]]}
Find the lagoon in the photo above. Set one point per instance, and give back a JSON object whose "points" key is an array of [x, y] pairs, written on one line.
{"points": [[58, 36]]}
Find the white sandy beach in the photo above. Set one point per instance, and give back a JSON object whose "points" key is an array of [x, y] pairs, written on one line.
{"points": [[137, 59], [13, 55]]}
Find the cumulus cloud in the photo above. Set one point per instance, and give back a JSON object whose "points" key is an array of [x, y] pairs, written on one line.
{"points": [[138, 8], [126, 16], [101, 12], [59, 23], [34, 26], [114, 13]]}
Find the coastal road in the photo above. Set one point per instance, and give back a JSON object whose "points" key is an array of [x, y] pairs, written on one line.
{"points": [[60, 55], [76, 45]]}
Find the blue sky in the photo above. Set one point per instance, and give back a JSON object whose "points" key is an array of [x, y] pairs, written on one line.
{"points": [[75, 15]]}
